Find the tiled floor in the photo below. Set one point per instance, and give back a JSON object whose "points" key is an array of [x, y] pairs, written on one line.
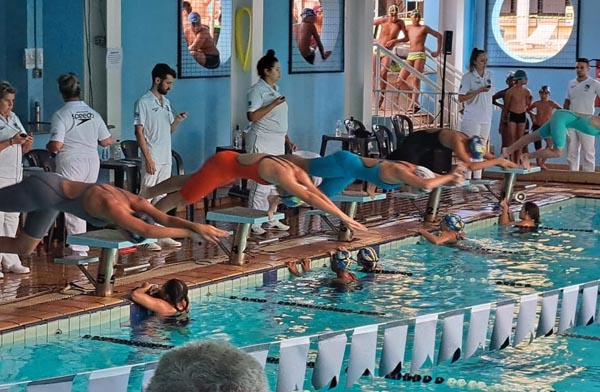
{"points": [[32, 298]]}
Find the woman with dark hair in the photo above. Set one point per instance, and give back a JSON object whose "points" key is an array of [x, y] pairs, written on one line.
{"points": [[170, 300], [529, 215], [268, 113], [476, 95]]}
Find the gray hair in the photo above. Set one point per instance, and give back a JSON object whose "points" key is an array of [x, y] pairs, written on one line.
{"points": [[69, 86], [208, 366], [6, 88]]}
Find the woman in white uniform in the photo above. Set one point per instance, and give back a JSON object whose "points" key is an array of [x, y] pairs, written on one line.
{"points": [[268, 113], [14, 141], [75, 134], [476, 95]]}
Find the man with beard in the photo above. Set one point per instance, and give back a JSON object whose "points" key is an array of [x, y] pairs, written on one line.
{"points": [[154, 122]]}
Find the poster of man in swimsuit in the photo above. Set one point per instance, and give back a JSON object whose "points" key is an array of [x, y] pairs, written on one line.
{"points": [[316, 36], [204, 38]]}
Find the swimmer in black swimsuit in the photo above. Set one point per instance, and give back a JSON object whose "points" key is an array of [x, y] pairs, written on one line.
{"points": [[43, 195]]}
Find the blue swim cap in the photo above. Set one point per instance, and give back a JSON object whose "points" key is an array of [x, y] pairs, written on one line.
{"points": [[367, 257], [291, 201], [454, 222], [342, 259], [476, 147]]}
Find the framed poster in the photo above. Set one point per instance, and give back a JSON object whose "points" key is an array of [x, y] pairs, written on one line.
{"points": [[539, 33], [204, 38], [316, 36]]}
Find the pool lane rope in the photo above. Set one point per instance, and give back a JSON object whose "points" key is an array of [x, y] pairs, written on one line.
{"points": [[310, 306], [573, 230]]}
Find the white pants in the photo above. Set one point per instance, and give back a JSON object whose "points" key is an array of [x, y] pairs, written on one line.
{"points": [[9, 222], [476, 128], [163, 172], [580, 142], [80, 168]]}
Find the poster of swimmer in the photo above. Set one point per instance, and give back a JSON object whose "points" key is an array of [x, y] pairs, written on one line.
{"points": [[316, 36], [204, 38]]}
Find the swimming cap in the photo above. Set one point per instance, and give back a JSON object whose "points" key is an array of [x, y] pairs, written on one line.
{"points": [[454, 222], [318, 8], [476, 147], [342, 259], [393, 9], [367, 257], [423, 172], [520, 74], [308, 12], [510, 76], [545, 89], [194, 17]]}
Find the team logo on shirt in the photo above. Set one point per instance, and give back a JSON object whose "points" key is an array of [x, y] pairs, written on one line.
{"points": [[587, 87], [82, 117]]}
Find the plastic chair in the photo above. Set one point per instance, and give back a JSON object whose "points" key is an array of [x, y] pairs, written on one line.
{"points": [[385, 140], [403, 126], [40, 158], [130, 148], [356, 127]]}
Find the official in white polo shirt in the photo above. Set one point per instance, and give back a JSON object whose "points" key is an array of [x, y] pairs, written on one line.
{"points": [[268, 112], [75, 134], [476, 95], [14, 141], [154, 123], [581, 95]]}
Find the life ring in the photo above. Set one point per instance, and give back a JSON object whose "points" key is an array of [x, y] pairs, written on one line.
{"points": [[243, 53]]}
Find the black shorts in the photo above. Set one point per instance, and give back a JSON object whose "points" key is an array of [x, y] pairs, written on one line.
{"points": [[518, 118]]}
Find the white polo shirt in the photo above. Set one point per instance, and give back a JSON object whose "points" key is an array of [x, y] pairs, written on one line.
{"points": [[156, 120], [270, 130], [479, 108], [583, 94], [11, 158], [79, 128]]}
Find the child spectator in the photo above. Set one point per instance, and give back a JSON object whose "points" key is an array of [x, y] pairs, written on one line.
{"points": [[540, 112], [503, 124], [516, 101]]}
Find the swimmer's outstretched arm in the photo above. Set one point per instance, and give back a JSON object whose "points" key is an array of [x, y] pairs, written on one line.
{"points": [[488, 161]]}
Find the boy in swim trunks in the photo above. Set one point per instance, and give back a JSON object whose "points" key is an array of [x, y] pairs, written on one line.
{"points": [[516, 102], [541, 112], [203, 48]]}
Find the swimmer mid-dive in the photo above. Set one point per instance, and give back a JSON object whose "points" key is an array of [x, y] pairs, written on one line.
{"points": [[226, 167], [342, 168], [555, 129], [43, 195], [452, 231]]}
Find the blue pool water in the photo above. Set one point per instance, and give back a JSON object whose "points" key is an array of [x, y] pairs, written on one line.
{"points": [[498, 265]]}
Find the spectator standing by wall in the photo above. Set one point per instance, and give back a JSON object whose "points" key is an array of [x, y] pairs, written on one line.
{"points": [[581, 94]]}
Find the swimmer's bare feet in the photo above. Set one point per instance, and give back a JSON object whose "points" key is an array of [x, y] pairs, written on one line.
{"points": [[292, 267], [305, 264], [524, 161]]}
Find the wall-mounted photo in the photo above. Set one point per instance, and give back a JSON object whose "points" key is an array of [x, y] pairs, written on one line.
{"points": [[204, 38], [539, 33], [316, 36]]}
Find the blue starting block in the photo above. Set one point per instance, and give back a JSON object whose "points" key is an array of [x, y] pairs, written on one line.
{"points": [[350, 202], [510, 177], [110, 241], [244, 217]]}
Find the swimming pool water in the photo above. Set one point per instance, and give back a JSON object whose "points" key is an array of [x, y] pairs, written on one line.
{"points": [[497, 265]]}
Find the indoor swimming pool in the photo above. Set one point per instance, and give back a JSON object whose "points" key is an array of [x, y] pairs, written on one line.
{"points": [[492, 265]]}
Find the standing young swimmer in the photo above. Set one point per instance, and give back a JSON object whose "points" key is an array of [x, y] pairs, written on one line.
{"points": [[43, 195]]}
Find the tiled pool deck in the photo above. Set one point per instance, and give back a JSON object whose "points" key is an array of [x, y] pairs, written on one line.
{"points": [[34, 306]]}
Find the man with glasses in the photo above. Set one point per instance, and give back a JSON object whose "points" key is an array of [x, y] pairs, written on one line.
{"points": [[581, 94]]}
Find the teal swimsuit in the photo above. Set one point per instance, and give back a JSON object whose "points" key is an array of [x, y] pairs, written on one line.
{"points": [[556, 128], [341, 169]]}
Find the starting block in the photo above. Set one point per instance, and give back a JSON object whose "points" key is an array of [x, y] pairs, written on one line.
{"points": [[244, 217], [510, 176], [433, 202], [110, 241], [350, 202]]}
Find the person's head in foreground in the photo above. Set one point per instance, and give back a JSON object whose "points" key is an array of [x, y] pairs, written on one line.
{"points": [[452, 222], [367, 258], [209, 366]]}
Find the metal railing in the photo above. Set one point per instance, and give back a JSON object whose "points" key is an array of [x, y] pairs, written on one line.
{"points": [[389, 99]]}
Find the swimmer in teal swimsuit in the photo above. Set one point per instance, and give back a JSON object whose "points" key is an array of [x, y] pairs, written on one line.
{"points": [[556, 129]]}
